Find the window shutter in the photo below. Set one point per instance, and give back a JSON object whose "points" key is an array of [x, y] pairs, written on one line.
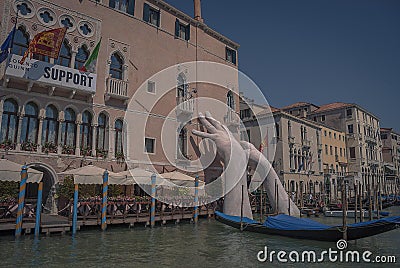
{"points": [[131, 7], [234, 57], [111, 3], [158, 18], [188, 32], [176, 28], [146, 12]]}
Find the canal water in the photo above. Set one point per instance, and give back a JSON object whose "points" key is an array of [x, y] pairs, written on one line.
{"points": [[209, 244]]}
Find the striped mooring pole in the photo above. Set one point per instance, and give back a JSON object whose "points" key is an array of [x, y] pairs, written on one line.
{"points": [[153, 201], [75, 210], [104, 202], [196, 199], [21, 201], [38, 209]]}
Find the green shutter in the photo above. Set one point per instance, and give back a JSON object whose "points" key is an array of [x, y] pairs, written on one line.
{"points": [[131, 7], [177, 28], [111, 3], [146, 12], [188, 32]]}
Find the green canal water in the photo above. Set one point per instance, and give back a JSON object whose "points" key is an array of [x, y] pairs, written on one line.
{"points": [[209, 244]]}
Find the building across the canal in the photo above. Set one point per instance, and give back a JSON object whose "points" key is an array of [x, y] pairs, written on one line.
{"points": [[363, 142], [391, 158], [53, 123]]}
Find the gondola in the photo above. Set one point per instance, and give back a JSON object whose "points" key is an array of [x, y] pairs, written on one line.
{"points": [[302, 228]]}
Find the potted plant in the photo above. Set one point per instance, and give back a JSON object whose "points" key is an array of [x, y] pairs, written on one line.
{"points": [[49, 147], [68, 149], [86, 151], [29, 146], [101, 153], [7, 145]]}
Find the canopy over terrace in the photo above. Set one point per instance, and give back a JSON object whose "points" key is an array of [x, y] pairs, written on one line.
{"points": [[180, 179], [11, 171], [94, 175]]}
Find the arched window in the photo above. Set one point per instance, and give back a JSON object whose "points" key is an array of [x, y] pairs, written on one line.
{"points": [[102, 133], [86, 133], [50, 129], [68, 131], [116, 67], [81, 57], [21, 41], [9, 122], [30, 123], [64, 59], [181, 87], [118, 138], [230, 100]]}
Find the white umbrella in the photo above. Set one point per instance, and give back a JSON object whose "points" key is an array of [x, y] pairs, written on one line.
{"points": [[11, 171], [139, 176], [181, 179], [88, 175]]}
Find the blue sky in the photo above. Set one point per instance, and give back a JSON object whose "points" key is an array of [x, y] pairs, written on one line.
{"points": [[318, 51]]}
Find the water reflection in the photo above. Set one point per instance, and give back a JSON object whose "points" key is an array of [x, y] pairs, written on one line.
{"points": [[210, 244]]}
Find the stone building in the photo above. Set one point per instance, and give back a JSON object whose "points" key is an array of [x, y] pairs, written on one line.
{"points": [[67, 118], [334, 159], [364, 146], [391, 158], [293, 146]]}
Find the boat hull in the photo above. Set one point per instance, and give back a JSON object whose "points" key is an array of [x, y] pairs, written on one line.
{"points": [[332, 234]]}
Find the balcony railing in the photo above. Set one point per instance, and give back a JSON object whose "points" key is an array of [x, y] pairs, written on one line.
{"points": [[184, 107], [370, 139], [117, 88]]}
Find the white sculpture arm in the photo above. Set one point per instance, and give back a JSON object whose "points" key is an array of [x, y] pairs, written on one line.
{"points": [[264, 169], [235, 165]]}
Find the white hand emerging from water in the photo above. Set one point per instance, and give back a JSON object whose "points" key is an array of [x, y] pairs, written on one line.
{"points": [[263, 167], [235, 165]]}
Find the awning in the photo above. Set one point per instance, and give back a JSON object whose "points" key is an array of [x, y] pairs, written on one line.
{"points": [[181, 179], [11, 171], [90, 175]]}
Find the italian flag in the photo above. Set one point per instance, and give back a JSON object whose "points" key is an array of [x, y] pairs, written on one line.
{"points": [[91, 61]]}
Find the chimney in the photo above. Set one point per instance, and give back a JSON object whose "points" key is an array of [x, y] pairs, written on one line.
{"points": [[197, 10]]}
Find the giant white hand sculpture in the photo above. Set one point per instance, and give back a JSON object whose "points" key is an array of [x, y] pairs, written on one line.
{"points": [[261, 164], [235, 165]]}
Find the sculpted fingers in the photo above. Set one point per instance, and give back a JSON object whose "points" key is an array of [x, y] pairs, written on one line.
{"points": [[202, 134], [210, 128], [213, 121]]}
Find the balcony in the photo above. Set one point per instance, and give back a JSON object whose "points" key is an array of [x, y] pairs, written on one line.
{"points": [[117, 89], [57, 80], [370, 139], [184, 108]]}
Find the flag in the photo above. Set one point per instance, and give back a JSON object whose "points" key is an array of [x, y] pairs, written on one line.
{"points": [[90, 64], [47, 43], [6, 46], [264, 143]]}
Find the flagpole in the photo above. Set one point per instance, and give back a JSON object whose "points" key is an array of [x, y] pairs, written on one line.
{"points": [[15, 29]]}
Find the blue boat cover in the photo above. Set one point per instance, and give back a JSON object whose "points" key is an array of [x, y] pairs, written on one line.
{"points": [[235, 218], [394, 219], [286, 222]]}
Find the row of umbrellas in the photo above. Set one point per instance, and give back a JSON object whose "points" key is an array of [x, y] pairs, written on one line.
{"points": [[94, 175], [11, 171]]}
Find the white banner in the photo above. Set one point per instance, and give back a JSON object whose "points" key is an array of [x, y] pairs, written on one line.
{"points": [[51, 74]]}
